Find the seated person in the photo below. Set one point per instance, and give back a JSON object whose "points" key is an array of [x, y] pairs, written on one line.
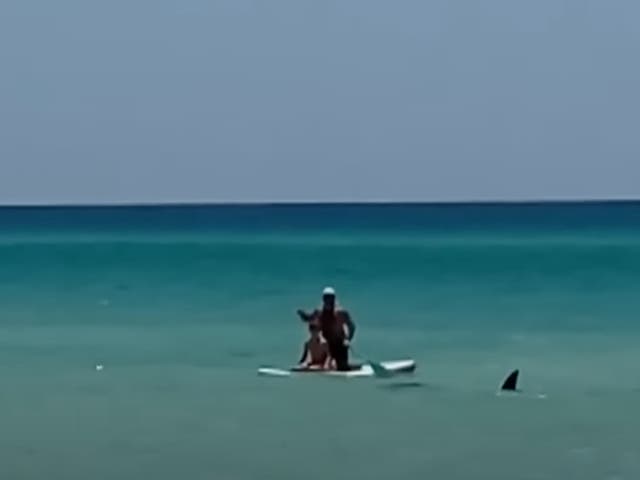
{"points": [[316, 351]]}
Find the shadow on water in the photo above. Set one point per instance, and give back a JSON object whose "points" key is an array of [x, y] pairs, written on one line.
{"points": [[405, 385], [241, 354]]}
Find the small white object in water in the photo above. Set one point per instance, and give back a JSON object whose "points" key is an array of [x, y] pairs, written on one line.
{"points": [[104, 302], [99, 368]]}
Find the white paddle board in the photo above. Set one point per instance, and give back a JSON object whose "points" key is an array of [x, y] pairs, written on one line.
{"points": [[392, 367]]}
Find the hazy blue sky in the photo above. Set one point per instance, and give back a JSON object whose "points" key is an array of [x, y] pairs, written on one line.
{"points": [[193, 100]]}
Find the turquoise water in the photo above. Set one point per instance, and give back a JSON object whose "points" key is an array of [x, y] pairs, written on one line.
{"points": [[182, 304]]}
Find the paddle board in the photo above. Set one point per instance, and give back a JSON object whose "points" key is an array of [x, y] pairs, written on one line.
{"points": [[392, 367]]}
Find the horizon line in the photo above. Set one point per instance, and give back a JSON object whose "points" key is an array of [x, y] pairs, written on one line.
{"points": [[318, 203]]}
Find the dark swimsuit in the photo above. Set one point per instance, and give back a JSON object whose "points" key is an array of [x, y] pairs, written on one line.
{"points": [[334, 335]]}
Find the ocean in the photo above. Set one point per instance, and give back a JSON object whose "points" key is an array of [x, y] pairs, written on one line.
{"points": [[179, 306]]}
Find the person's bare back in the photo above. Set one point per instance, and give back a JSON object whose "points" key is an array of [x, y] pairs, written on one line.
{"points": [[316, 351]]}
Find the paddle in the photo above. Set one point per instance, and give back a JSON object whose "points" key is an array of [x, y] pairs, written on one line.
{"points": [[379, 370]]}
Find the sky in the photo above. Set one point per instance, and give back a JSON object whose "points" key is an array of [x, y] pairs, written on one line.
{"points": [[318, 100]]}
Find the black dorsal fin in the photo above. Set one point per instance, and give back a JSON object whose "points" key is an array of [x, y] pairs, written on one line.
{"points": [[511, 382]]}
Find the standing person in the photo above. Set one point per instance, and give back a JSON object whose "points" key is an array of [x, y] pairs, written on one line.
{"points": [[336, 325]]}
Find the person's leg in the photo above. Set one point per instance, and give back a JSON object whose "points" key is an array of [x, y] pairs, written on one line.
{"points": [[340, 354]]}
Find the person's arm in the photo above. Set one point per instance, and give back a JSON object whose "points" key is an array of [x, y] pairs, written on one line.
{"points": [[351, 326], [306, 317], [305, 354]]}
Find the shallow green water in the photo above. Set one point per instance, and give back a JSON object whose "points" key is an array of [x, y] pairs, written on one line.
{"points": [[181, 307]]}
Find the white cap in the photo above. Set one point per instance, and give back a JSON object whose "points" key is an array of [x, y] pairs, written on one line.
{"points": [[328, 291]]}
